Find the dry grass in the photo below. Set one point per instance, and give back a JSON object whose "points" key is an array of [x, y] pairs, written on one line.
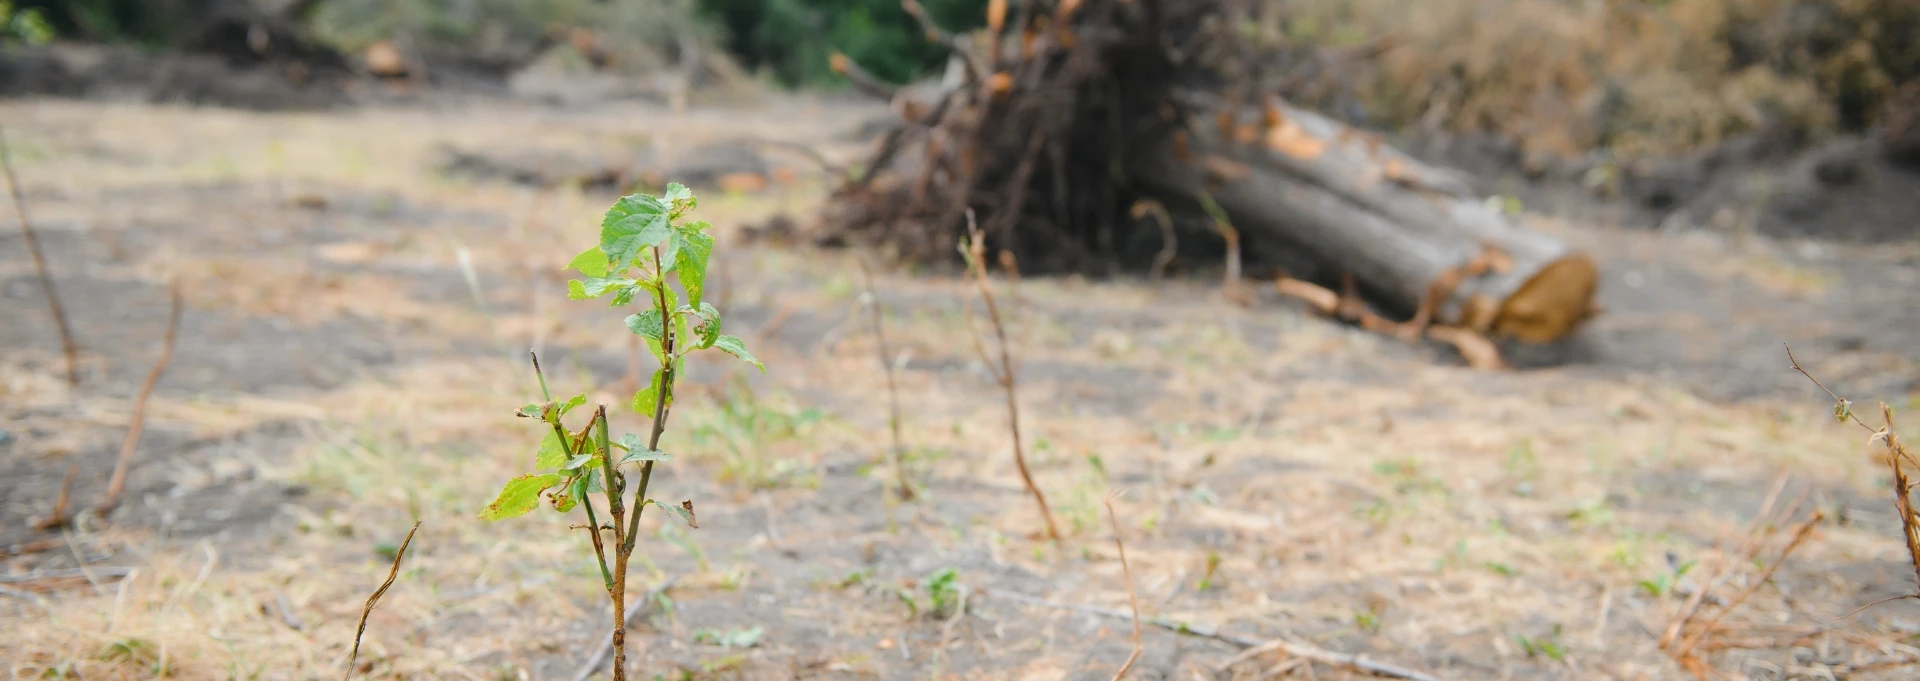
{"points": [[1635, 77], [1289, 477]]}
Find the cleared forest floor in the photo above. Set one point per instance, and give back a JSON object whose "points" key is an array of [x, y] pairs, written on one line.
{"points": [[340, 374]]}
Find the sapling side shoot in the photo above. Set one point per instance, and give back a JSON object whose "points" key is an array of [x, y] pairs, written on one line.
{"points": [[642, 240]]}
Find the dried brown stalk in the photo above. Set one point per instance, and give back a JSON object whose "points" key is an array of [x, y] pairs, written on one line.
{"points": [[119, 482], [1253, 646], [40, 265], [1683, 652], [1897, 459], [1170, 244], [374, 600], [57, 517], [975, 252], [1473, 346], [1133, 597], [898, 451]]}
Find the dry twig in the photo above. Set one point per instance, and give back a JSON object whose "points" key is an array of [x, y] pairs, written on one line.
{"points": [[898, 451], [119, 482], [1683, 652], [57, 517], [1897, 459], [40, 265], [1302, 650], [1474, 347], [374, 600], [975, 252], [1169, 243], [1133, 597]]}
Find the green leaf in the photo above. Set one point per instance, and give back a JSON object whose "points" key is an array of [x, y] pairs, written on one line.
{"points": [[532, 411], [572, 402], [681, 330], [645, 401], [593, 482], [641, 453], [732, 345], [577, 462], [634, 222], [684, 512], [648, 325], [521, 494], [594, 288], [680, 198], [670, 253], [592, 263], [553, 452], [692, 261]]}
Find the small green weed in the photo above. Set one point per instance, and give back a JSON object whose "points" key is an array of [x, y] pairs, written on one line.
{"points": [[1548, 646], [731, 638], [1408, 477], [1661, 585], [740, 430]]}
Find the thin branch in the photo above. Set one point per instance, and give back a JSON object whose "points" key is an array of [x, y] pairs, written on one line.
{"points": [[862, 81], [374, 600], [1321, 655], [808, 151], [977, 260], [58, 517], [119, 482], [634, 610], [1169, 243], [570, 449], [1842, 407], [40, 265], [1133, 597], [898, 450], [944, 37], [1685, 649], [1902, 484], [659, 412]]}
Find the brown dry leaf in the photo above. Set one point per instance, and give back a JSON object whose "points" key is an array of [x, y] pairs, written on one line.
{"points": [[353, 252], [1225, 171], [1290, 139], [747, 183], [1000, 83], [1395, 170]]}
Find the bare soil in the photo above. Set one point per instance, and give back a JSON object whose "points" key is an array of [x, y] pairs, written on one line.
{"points": [[351, 357]]}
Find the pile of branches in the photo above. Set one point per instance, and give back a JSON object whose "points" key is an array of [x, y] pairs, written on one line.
{"points": [[1035, 128]]}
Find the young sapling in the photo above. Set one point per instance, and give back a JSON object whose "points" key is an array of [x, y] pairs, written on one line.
{"points": [[643, 240]]}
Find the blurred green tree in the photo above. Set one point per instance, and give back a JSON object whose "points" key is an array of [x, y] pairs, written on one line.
{"points": [[792, 39]]}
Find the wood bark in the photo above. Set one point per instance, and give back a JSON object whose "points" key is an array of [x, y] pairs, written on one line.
{"points": [[1409, 233]]}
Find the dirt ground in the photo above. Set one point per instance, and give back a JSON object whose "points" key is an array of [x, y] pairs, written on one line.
{"points": [[351, 355]]}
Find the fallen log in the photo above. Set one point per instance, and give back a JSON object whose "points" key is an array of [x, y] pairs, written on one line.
{"points": [[1409, 233]]}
